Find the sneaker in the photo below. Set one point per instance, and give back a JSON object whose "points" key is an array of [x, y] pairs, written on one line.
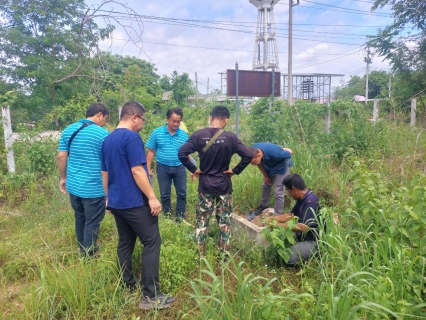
{"points": [[259, 210], [169, 299], [250, 216], [161, 302]]}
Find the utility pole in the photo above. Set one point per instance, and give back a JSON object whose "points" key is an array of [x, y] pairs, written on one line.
{"points": [[196, 85], [207, 86], [291, 4], [367, 60], [236, 98]]}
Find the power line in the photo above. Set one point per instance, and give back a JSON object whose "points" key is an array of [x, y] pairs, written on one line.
{"points": [[251, 32], [125, 14], [355, 10], [225, 49], [314, 63], [284, 29], [352, 11]]}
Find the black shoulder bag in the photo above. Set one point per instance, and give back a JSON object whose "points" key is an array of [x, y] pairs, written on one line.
{"points": [[86, 124]]}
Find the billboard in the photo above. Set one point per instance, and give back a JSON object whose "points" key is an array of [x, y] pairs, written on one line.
{"points": [[252, 83]]}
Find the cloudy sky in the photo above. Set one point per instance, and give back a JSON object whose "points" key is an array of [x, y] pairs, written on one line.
{"points": [[208, 37]]}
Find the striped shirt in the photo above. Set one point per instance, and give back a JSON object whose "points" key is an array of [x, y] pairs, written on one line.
{"points": [[166, 146], [84, 177]]}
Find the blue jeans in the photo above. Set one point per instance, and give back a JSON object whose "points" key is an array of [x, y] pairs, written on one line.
{"points": [[89, 212], [166, 175]]}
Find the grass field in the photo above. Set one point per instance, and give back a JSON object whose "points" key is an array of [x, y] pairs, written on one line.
{"points": [[371, 265]]}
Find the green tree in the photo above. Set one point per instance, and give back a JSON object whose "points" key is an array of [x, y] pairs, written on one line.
{"points": [[378, 83], [182, 88], [403, 43], [127, 71], [165, 83], [405, 49], [44, 43], [355, 86]]}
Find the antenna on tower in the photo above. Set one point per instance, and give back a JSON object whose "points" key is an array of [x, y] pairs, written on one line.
{"points": [[265, 54]]}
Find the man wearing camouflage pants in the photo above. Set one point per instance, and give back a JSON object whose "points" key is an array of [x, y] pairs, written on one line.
{"points": [[215, 148]]}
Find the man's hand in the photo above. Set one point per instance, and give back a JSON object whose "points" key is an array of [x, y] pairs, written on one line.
{"points": [[230, 172], [150, 173], [191, 175], [106, 205], [267, 180], [155, 206], [197, 173], [62, 186], [289, 150]]}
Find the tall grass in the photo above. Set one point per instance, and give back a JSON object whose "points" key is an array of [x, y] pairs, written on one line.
{"points": [[370, 266], [237, 293]]}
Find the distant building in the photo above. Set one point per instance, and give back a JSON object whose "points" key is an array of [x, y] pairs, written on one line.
{"points": [[193, 99]]}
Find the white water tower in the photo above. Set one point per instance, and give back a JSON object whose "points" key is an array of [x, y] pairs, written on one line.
{"points": [[265, 55]]}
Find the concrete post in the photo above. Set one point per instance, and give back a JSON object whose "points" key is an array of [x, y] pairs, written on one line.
{"points": [[413, 112], [327, 119], [7, 124], [375, 110]]}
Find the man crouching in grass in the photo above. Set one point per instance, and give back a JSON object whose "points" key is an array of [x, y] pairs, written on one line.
{"points": [[307, 210]]}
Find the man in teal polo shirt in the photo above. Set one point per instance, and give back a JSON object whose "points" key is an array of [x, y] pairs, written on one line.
{"points": [[164, 144], [79, 163]]}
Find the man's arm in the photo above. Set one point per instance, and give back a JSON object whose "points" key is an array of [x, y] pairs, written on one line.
{"points": [[184, 151], [245, 154], [141, 179], [149, 157], [62, 166], [105, 185], [266, 178], [105, 182], [282, 220]]}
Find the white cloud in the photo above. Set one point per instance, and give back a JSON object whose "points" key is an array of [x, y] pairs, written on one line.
{"points": [[322, 43]]}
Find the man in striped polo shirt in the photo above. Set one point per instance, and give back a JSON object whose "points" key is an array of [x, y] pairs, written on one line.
{"points": [[79, 163], [164, 144]]}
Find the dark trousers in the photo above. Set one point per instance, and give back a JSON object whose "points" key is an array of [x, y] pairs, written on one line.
{"points": [[132, 223], [89, 212], [176, 175]]}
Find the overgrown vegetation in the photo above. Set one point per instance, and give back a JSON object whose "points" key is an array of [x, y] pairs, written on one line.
{"points": [[371, 265]]}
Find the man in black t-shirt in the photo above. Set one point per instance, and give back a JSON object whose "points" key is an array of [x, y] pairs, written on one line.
{"points": [[215, 148], [307, 211]]}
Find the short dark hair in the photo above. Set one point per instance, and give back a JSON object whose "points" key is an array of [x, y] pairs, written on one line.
{"points": [[95, 108], [254, 151], [294, 180], [130, 108], [220, 112], [176, 110]]}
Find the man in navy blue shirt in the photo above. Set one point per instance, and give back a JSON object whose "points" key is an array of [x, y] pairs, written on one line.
{"points": [[306, 210], [273, 161], [133, 203]]}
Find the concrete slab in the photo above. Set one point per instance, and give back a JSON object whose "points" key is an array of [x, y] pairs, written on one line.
{"points": [[242, 228]]}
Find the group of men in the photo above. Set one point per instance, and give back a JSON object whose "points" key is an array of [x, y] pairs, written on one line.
{"points": [[101, 170]]}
